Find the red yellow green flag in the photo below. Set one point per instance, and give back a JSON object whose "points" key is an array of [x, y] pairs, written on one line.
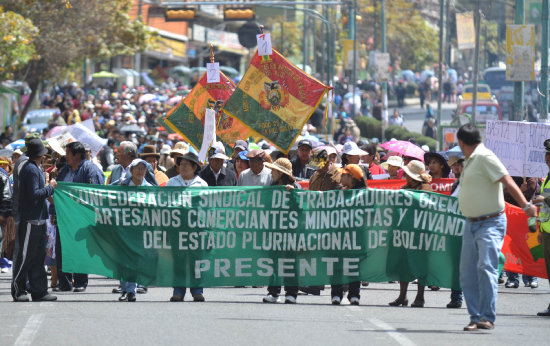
{"points": [[275, 99], [187, 119]]}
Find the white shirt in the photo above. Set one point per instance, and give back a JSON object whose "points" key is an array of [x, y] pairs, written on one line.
{"points": [[248, 178], [179, 181]]}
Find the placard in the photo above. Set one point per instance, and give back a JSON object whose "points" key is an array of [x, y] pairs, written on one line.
{"points": [[264, 44], [209, 133], [213, 72]]}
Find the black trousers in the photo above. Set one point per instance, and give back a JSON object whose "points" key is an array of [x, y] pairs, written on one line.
{"points": [[66, 279], [276, 290], [353, 290], [29, 262]]}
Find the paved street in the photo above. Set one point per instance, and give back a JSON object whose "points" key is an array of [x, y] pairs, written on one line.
{"points": [[414, 115], [236, 316]]}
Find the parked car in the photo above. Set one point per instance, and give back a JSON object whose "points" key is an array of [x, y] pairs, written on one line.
{"points": [[37, 120]]}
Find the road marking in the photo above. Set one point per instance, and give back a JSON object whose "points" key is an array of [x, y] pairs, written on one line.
{"points": [[400, 338], [28, 333]]}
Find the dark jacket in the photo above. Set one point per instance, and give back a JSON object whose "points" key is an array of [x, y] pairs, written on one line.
{"points": [[86, 173], [33, 193], [226, 177], [300, 172]]}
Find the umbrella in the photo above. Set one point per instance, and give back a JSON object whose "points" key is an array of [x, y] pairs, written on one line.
{"points": [[16, 145], [174, 100], [146, 98], [130, 128], [180, 70], [405, 148], [56, 130], [175, 137], [454, 150], [229, 71], [104, 74]]}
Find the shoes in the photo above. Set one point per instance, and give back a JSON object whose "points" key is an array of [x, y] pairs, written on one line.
{"points": [[434, 288], [500, 280], [454, 304], [176, 298], [471, 327], [123, 297], [399, 302], [4, 270], [270, 299], [545, 313], [364, 283], [484, 324], [290, 300], [47, 298], [142, 290], [131, 297], [354, 301], [534, 284], [21, 299], [414, 282], [198, 298], [79, 289], [511, 284], [59, 289], [257, 286], [336, 300], [117, 290], [417, 304]]}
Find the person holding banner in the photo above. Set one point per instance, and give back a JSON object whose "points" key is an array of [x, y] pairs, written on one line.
{"points": [[281, 172], [417, 179], [189, 168], [481, 201], [352, 177]]}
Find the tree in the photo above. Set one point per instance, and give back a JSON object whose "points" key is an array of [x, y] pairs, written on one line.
{"points": [[71, 30], [409, 38], [16, 42]]}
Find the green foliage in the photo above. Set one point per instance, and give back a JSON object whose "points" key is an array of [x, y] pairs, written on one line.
{"points": [[409, 38], [291, 42], [411, 88], [369, 127], [16, 42]]}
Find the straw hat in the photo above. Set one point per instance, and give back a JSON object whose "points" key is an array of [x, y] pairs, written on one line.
{"points": [[282, 165], [180, 148], [394, 160], [415, 169]]}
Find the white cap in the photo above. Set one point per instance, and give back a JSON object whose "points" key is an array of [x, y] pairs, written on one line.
{"points": [[351, 148]]}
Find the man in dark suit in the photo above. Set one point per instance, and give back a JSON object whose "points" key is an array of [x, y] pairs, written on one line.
{"points": [[215, 173]]}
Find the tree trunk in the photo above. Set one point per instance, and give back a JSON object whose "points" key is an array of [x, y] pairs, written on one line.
{"points": [[34, 84]]}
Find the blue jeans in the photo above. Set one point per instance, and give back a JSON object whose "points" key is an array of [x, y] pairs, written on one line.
{"points": [[181, 291], [514, 277], [481, 245], [128, 287]]}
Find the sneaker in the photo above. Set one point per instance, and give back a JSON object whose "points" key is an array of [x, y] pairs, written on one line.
{"points": [[500, 280], [176, 298], [354, 300], [534, 284], [454, 304], [4, 270], [364, 283], [198, 298], [336, 300], [290, 300], [511, 284], [270, 299], [47, 298], [117, 290], [79, 289], [21, 299], [131, 297], [141, 290]]}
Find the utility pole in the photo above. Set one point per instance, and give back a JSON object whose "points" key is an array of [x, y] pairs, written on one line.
{"points": [[519, 87], [544, 63], [477, 24], [440, 67]]}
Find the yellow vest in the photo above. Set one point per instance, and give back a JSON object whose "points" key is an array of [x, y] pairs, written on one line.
{"points": [[544, 227]]}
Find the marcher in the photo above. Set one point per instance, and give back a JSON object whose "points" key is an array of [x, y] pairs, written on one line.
{"points": [[417, 179], [392, 166], [77, 170], [352, 177], [180, 149], [215, 173], [241, 163], [456, 164], [257, 174], [437, 165], [150, 155], [189, 168], [33, 213], [351, 154], [300, 168], [281, 172], [5, 207], [482, 203], [544, 234], [138, 168]]}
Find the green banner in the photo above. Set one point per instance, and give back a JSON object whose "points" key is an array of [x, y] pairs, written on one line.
{"points": [[235, 236]]}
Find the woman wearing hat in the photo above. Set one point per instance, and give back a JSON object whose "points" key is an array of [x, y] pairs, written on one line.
{"points": [[437, 165], [138, 169], [392, 166], [189, 167], [351, 154], [241, 162], [352, 178], [150, 155], [417, 179], [281, 172]]}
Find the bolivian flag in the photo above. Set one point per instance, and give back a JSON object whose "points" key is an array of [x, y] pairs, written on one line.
{"points": [[187, 119], [163, 124], [275, 99]]}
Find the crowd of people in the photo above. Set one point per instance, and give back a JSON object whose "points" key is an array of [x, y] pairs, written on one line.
{"points": [[149, 155]]}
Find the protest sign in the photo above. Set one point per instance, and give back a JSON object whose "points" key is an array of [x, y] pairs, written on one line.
{"points": [[519, 145], [275, 99], [205, 237]]}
